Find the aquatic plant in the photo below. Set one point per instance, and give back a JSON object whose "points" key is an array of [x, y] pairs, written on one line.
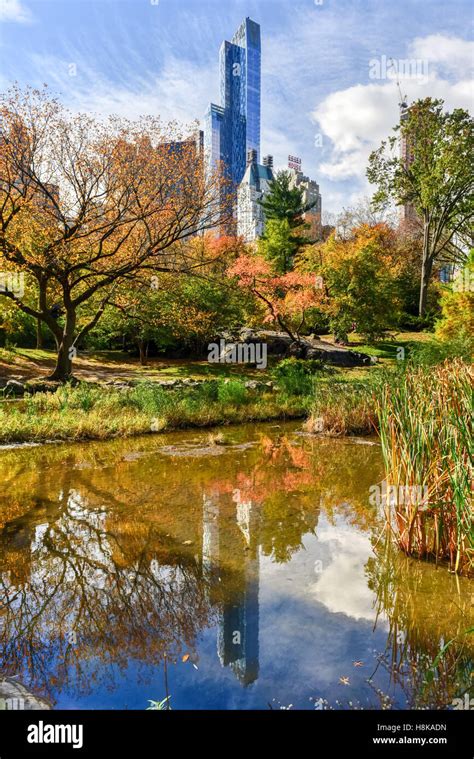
{"points": [[159, 705], [343, 408], [425, 421]]}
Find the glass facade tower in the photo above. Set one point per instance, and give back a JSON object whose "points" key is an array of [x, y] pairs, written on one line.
{"points": [[233, 127]]}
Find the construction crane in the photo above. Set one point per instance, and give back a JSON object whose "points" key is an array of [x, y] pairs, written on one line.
{"points": [[402, 98]]}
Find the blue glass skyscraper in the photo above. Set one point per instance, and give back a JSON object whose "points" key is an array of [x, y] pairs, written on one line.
{"points": [[232, 128]]}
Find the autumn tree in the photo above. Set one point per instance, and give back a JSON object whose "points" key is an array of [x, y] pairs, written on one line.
{"points": [[188, 309], [358, 277], [287, 298], [435, 177], [457, 306], [87, 205]]}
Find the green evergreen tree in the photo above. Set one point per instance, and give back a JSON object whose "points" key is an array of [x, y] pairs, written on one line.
{"points": [[284, 210]]}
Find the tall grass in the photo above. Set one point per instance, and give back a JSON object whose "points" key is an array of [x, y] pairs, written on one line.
{"points": [[343, 408], [425, 422]]}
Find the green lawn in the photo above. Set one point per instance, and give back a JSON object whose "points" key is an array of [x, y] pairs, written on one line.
{"points": [[388, 347]]}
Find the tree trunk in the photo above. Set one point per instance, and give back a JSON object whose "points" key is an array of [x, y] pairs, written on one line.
{"points": [[142, 347], [66, 351], [39, 334], [426, 269], [41, 307]]}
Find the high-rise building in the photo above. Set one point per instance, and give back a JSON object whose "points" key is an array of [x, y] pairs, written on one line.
{"points": [[252, 190], [407, 214], [311, 197], [234, 542], [233, 127]]}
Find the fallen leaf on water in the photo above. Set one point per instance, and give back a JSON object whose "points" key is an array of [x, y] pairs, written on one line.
{"points": [[344, 680], [185, 658]]}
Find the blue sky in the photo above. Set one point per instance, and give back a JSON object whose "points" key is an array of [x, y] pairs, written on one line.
{"points": [[319, 96]]}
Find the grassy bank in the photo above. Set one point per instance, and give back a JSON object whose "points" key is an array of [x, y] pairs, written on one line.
{"points": [[91, 411], [88, 412], [343, 408]]}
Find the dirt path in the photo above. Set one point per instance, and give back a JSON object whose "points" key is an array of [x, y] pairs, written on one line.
{"points": [[91, 369], [100, 367]]}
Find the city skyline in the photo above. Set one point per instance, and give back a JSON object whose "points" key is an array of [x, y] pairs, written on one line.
{"points": [[321, 99]]}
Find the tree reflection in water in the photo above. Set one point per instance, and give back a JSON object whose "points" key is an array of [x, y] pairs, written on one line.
{"points": [[127, 551]]}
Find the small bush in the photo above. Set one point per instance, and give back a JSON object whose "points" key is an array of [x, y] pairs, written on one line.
{"points": [[84, 397], [435, 352], [295, 376], [233, 393], [208, 391]]}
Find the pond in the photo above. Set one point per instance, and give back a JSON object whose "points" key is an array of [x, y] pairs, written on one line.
{"points": [[248, 572]]}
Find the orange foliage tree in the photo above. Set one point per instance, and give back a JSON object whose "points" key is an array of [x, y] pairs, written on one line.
{"points": [[190, 307], [287, 297], [87, 205]]}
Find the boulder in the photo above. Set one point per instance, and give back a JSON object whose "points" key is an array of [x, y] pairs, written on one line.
{"points": [[281, 344], [298, 350], [252, 385], [13, 387], [14, 695], [336, 356], [277, 343]]}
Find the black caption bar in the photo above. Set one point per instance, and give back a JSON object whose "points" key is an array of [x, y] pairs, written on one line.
{"points": [[92, 733]]}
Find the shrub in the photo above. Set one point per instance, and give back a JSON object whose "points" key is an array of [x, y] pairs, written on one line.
{"points": [[457, 307], [436, 351], [233, 393], [295, 376]]}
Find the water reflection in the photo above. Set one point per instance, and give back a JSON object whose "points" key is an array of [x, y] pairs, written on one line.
{"points": [[115, 556], [238, 616], [430, 645]]}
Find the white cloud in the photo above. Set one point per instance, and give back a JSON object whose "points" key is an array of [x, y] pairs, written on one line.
{"points": [[14, 10], [358, 118], [342, 586], [355, 120], [450, 54]]}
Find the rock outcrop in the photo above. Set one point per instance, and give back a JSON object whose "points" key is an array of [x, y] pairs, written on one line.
{"points": [[281, 344]]}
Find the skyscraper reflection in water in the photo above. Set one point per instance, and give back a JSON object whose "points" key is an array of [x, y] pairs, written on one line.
{"points": [[232, 550]]}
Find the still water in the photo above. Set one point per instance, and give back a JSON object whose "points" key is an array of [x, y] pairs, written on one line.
{"points": [[247, 574]]}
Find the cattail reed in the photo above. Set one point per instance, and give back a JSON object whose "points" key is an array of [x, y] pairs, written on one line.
{"points": [[425, 423]]}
